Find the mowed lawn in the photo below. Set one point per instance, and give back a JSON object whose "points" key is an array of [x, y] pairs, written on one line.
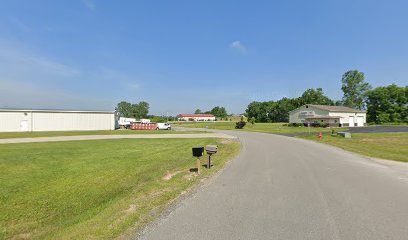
{"points": [[4, 135], [392, 146], [97, 189], [277, 128]]}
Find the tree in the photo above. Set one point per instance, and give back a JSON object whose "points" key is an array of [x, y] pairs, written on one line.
{"points": [[124, 108], [137, 110], [198, 111], [387, 104], [354, 89], [219, 112], [140, 110], [315, 96]]}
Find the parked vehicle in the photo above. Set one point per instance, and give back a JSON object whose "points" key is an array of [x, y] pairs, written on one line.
{"points": [[143, 120], [163, 126], [125, 122], [143, 126]]}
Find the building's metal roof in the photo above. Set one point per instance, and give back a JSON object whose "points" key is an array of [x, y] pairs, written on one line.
{"points": [[332, 108], [52, 110], [335, 108]]}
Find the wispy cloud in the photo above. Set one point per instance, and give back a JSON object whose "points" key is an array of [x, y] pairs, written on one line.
{"points": [[20, 63], [89, 4], [20, 94], [237, 45]]}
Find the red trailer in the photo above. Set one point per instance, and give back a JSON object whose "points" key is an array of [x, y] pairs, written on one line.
{"points": [[143, 126]]}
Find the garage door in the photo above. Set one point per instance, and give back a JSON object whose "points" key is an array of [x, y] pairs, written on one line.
{"points": [[360, 121]]}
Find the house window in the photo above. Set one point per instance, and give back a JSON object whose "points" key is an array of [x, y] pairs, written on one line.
{"points": [[335, 121]]}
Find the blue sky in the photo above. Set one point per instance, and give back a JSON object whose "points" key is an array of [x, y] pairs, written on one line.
{"points": [[184, 55]]}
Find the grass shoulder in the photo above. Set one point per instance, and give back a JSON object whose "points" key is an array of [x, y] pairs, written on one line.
{"points": [[4, 135], [95, 189], [278, 128], [391, 146]]}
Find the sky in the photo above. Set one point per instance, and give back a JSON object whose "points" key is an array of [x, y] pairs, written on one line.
{"points": [[185, 55]]}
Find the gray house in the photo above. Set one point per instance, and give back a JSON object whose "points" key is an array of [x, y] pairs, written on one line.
{"points": [[335, 116]]}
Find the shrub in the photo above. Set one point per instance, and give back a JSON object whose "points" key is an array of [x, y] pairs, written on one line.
{"points": [[240, 125]]}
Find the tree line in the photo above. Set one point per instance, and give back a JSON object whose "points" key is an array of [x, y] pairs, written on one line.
{"points": [[217, 111], [133, 110], [386, 104]]}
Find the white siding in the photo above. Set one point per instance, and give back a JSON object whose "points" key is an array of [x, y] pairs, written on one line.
{"points": [[56, 121], [344, 117], [295, 118], [10, 121]]}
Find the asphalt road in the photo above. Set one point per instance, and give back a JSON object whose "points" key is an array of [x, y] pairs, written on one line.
{"points": [[289, 188], [379, 129]]}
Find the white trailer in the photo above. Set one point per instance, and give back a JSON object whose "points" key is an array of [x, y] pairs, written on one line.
{"points": [[125, 122]]}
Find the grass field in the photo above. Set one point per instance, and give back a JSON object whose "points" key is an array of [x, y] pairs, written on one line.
{"points": [[392, 146], [257, 127], [95, 189], [4, 135]]}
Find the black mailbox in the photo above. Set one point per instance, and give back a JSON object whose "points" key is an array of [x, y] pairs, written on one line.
{"points": [[198, 151]]}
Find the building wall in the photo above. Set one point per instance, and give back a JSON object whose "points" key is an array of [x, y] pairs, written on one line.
{"points": [[55, 121], [295, 118], [10, 121], [344, 118], [197, 118]]}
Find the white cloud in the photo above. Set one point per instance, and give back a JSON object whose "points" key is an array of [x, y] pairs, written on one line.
{"points": [[238, 46], [89, 4]]}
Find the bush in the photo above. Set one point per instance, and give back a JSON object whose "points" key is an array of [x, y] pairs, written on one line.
{"points": [[240, 125]]}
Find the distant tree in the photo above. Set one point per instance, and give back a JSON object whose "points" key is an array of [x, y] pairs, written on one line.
{"points": [[124, 109], [354, 88], [315, 96], [198, 111], [140, 110], [252, 120], [387, 104], [219, 112]]}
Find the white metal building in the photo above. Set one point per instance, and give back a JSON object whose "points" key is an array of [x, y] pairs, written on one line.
{"points": [[195, 117], [24, 120], [335, 116]]}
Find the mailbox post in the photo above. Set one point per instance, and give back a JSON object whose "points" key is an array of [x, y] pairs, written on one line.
{"points": [[198, 152], [211, 149]]}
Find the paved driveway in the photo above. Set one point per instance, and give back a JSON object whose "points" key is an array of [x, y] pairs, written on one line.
{"points": [[288, 188]]}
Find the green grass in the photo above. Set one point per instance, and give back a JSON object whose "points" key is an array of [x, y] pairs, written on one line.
{"points": [[257, 127], [4, 135], [94, 189], [391, 146]]}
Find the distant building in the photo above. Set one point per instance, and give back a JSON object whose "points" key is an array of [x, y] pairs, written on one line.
{"points": [[30, 120], [334, 116], [195, 117]]}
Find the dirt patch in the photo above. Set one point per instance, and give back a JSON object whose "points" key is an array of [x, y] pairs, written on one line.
{"points": [[21, 236], [132, 208], [169, 175], [189, 176]]}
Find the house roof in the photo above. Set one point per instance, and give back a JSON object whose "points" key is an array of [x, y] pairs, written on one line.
{"points": [[195, 115], [335, 108]]}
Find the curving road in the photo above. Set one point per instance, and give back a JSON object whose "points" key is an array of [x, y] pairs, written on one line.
{"points": [[288, 188]]}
